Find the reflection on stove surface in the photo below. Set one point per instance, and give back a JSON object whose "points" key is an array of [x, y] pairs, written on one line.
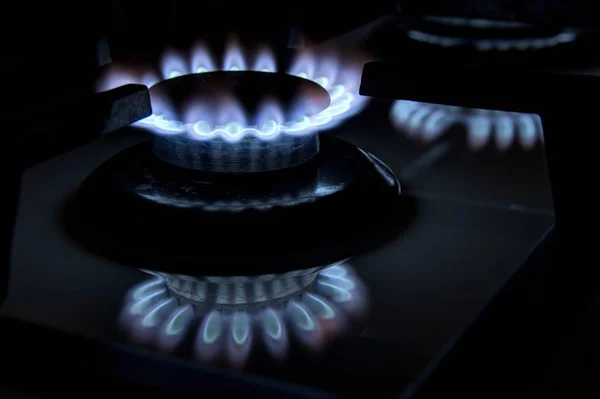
{"points": [[233, 315], [428, 122]]}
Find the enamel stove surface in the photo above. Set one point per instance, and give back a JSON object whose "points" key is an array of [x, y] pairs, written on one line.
{"points": [[479, 215], [487, 35], [424, 285]]}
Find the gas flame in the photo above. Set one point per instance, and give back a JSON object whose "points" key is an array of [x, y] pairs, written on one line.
{"points": [[429, 122], [339, 77]]}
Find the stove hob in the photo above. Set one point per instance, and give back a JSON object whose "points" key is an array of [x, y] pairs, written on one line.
{"points": [[142, 211], [234, 202]]}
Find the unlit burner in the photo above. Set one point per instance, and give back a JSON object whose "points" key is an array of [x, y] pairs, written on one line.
{"points": [[237, 121], [487, 35], [233, 314]]}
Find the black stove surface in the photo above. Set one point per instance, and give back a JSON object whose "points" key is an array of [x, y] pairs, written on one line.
{"points": [[480, 215]]}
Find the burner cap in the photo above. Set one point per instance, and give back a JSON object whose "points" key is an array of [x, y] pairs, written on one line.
{"points": [[149, 214], [249, 89]]}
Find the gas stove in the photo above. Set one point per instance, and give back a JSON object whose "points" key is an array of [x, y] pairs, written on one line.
{"points": [[239, 151], [268, 218]]}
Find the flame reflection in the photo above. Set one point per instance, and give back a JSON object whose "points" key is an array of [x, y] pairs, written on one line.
{"points": [[332, 71], [309, 314], [428, 122]]}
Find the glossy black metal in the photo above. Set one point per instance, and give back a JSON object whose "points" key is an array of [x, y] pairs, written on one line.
{"points": [[57, 128], [147, 213], [538, 305], [113, 367], [62, 125], [567, 114], [497, 88], [516, 321], [249, 89]]}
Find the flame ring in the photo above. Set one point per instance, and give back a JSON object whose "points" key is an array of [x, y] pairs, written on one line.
{"points": [[340, 80]]}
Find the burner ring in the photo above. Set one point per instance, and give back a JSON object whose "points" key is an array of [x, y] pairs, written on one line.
{"points": [[248, 155], [145, 213], [257, 115]]}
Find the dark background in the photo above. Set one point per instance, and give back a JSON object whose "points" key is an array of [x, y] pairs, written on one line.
{"points": [[49, 48], [539, 12]]}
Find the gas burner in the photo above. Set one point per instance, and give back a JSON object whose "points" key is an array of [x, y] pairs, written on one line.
{"points": [[242, 124], [487, 35], [139, 210], [246, 117], [233, 316], [237, 180], [337, 74], [429, 122]]}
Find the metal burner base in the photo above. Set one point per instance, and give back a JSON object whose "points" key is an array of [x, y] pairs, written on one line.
{"points": [[140, 211], [248, 155]]}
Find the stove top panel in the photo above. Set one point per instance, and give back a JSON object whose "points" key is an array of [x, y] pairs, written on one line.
{"points": [[479, 216]]}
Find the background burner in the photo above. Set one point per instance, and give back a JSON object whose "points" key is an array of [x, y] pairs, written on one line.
{"points": [[488, 35]]}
